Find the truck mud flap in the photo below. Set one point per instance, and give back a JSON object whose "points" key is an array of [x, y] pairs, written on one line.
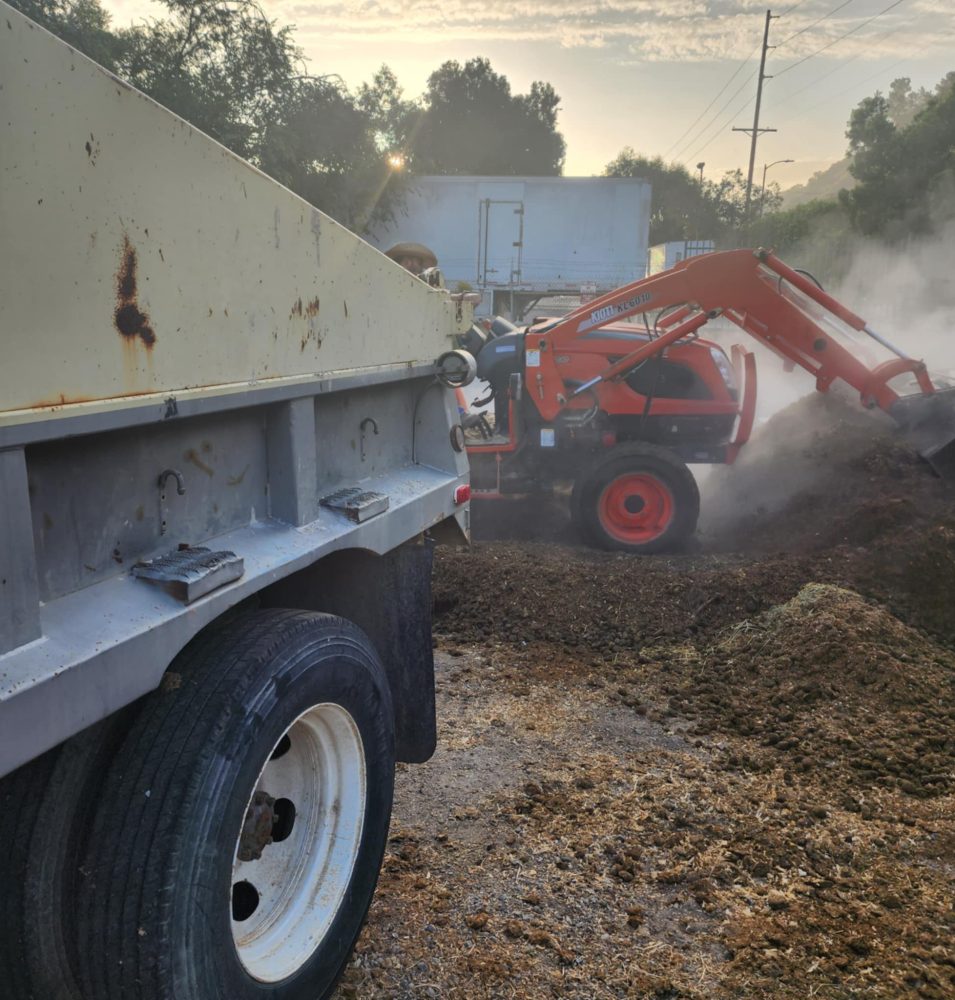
{"points": [[389, 598]]}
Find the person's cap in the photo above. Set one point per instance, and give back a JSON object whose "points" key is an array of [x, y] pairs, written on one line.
{"points": [[419, 250]]}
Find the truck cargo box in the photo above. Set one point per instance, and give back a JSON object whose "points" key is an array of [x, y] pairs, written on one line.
{"points": [[517, 239], [190, 355]]}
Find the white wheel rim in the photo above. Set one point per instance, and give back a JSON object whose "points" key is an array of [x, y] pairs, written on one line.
{"points": [[300, 878]]}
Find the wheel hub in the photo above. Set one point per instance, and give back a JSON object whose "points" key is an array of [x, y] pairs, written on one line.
{"points": [[257, 829], [634, 503], [298, 844], [636, 508]]}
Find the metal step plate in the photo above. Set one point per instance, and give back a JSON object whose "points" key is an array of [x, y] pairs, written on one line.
{"points": [[190, 573], [358, 504]]}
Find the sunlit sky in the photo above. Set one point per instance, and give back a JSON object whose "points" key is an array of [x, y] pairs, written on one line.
{"points": [[643, 72]]}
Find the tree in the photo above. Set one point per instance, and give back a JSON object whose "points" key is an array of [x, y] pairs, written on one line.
{"points": [[542, 104], [906, 174], [320, 145], [392, 117], [815, 234], [225, 67], [729, 198], [220, 64], [84, 24], [472, 124], [680, 208], [904, 103]]}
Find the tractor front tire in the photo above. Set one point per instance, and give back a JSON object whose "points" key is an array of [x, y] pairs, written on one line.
{"points": [[637, 498]]}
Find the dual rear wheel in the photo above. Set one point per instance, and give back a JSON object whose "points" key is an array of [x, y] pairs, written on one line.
{"points": [[223, 839]]}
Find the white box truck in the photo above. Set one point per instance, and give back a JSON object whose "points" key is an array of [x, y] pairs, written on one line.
{"points": [[518, 240]]}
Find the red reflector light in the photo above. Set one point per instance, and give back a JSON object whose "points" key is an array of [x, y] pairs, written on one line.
{"points": [[608, 439], [462, 493]]}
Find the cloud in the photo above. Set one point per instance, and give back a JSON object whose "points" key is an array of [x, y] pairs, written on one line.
{"points": [[636, 30]]}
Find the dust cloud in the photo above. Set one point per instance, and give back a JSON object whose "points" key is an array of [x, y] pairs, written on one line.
{"points": [[802, 468], [906, 292]]}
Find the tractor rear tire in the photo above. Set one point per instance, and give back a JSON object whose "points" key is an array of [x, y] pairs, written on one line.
{"points": [[637, 498], [240, 831]]}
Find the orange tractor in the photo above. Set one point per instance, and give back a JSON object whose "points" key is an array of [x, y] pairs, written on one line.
{"points": [[617, 410]]}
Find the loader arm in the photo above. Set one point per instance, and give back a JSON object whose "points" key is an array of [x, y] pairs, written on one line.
{"points": [[778, 306]]}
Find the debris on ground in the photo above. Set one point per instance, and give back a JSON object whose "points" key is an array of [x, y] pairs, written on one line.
{"points": [[819, 474], [728, 773]]}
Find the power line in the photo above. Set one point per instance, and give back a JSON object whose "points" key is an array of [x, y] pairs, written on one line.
{"points": [[875, 43], [723, 124], [836, 69], [681, 155], [819, 20], [835, 41], [715, 99], [789, 10], [680, 144], [699, 135], [852, 86], [800, 114]]}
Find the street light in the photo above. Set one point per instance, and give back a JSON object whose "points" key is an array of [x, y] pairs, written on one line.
{"points": [[396, 161], [700, 167], [762, 193]]}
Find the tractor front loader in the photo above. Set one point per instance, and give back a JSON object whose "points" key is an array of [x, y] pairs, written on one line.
{"points": [[616, 411]]}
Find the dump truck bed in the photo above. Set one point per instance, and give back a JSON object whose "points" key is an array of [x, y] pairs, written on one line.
{"points": [[171, 317]]}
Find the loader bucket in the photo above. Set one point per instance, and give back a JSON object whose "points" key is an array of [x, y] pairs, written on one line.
{"points": [[928, 421]]}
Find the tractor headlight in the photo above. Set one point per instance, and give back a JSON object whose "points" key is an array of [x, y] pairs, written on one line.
{"points": [[726, 369]]}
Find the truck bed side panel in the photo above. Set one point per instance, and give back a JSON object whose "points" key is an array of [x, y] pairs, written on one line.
{"points": [[141, 257]]}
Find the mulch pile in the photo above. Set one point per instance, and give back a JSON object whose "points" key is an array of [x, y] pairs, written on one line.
{"points": [[829, 684], [726, 773], [819, 474], [825, 493]]}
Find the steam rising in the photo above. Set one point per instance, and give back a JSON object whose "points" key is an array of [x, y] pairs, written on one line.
{"points": [[907, 293]]}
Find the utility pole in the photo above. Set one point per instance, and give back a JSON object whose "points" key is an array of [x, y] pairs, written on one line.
{"points": [[755, 132]]}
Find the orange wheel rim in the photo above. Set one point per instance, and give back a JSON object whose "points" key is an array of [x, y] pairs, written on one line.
{"points": [[635, 508]]}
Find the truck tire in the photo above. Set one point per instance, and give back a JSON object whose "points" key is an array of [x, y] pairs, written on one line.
{"points": [[239, 834], [637, 498], [21, 794], [56, 848]]}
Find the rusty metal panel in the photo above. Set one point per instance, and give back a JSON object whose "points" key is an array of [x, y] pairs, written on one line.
{"points": [[192, 356], [141, 257]]}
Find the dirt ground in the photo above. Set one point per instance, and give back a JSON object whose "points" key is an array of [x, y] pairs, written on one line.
{"points": [[725, 773]]}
